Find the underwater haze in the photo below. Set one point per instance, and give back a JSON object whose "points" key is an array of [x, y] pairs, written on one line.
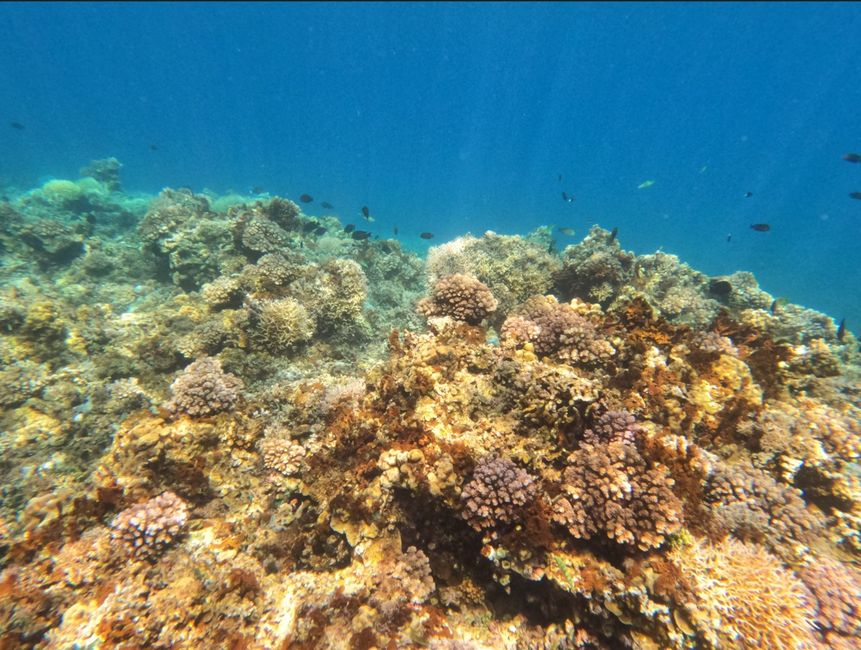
{"points": [[457, 117], [450, 326]]}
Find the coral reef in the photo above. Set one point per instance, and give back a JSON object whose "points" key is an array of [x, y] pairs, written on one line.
{"points": [[836, 593], [611, 491], [556, 329], [746, 597], [224, 423]]}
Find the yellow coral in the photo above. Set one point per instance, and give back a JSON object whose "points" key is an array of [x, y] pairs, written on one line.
{"points": [[748, 597]]}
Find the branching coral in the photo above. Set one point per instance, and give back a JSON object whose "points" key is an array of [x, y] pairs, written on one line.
{"points": [[836, 594], [282, 456], [611, 491], [280, 324], [614, 427], [512, 268], [204, 389], [147, 529], [460, 297], [751, 504], [556, 330], [498, 494]]}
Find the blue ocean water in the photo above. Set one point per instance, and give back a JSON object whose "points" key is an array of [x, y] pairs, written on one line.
{"points": [[458, 117]]}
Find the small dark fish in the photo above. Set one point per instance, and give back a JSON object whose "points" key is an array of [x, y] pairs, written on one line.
{"points": [[560, 178], [360, 235], [760, 227], [841, 330], [349, 228], [308, 226], [257, 190], [720, 287], [365, 212], [729, 236], [567, 198], [306, 198], [395, 231], [855, 195], [327, 206], [17, 125], [153, 147], [747, 195], [320, 230], [852, 157], [566, 231], [778, 303], [426, 235], [613, 234]]}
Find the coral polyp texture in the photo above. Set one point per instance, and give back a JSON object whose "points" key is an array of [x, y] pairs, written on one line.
{"points": [[149, 528], [224, 422], [203, 388], [460, 297], [498, 494]]}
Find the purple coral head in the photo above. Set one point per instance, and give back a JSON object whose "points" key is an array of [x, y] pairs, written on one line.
{"points": [[148, 528], [614, 426], [498, 495]]}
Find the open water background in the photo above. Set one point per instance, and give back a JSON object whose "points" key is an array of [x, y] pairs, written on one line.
{"points": [[458, 117]]}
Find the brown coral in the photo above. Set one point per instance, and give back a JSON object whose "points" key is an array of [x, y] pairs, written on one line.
{"points": [[611, 491], [147, 529], [203, 388], [751, 504], [460, 297], [556, 330], [836, 591], [498, 494]]}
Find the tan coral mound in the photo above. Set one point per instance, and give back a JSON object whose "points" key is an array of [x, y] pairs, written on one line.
{"points": [[203, 388], [556, 330], [460, 297], [748, 596]]}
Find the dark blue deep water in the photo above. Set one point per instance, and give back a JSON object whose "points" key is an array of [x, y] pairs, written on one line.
{"points": [[460, 117]]}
